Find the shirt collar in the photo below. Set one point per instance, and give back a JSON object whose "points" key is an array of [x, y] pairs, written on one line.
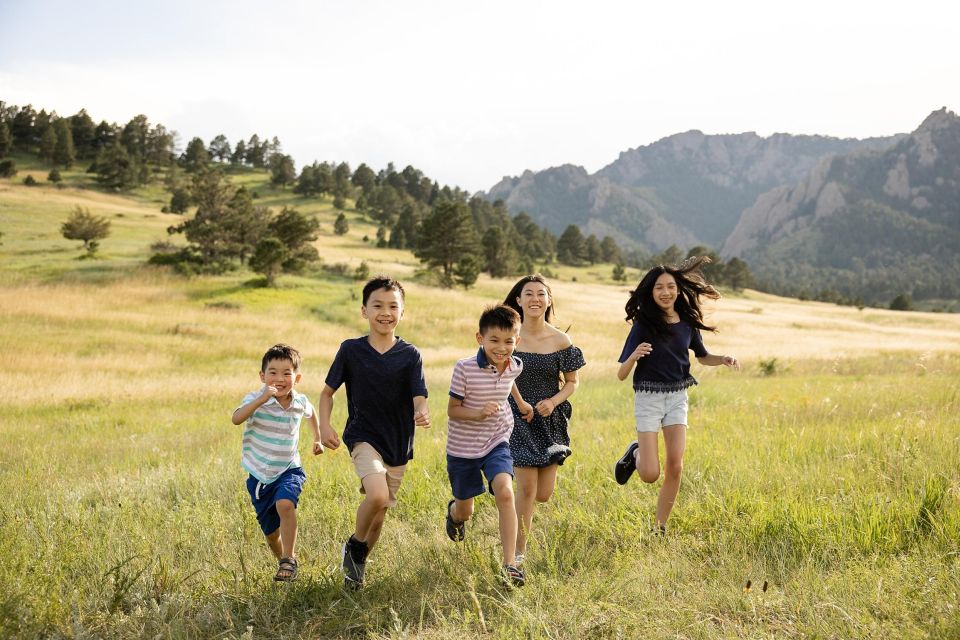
{"points": [[293, 400], [483, 363]]}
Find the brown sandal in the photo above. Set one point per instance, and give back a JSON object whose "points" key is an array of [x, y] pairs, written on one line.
{"points": [[287, 570]]}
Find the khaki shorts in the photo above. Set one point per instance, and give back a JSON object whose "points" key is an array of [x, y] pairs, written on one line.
{"points": [[367, 461]]}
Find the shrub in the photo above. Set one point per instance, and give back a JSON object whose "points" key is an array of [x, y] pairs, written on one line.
{"points": [[8, 168], [770, 366], [30, 181]]}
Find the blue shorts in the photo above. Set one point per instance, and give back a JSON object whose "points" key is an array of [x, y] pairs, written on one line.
{"points": [[465, 478], [264, 496]]}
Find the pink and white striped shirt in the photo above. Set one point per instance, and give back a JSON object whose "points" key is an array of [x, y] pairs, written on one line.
{"points": [[475, 382]]}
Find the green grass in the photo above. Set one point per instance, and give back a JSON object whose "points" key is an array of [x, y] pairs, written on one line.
{"points": [[835, 480]]}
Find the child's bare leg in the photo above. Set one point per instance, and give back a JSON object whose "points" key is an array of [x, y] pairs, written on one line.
{"points": [[503, 493], [675, 441], [462, 510], [527, 490], [273, 541], [534, 484], [288, 528], [373, 510], [648, 456], [546, 482]]}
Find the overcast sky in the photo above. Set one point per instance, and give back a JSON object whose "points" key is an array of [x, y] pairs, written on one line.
{"points": [[469, 93]]}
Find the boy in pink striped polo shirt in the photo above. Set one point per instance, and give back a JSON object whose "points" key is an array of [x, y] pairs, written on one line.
{"points": [[479, 426]]}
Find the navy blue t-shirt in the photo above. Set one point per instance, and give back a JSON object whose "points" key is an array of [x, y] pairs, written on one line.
{"points": [[667, 367], [380, 392]]}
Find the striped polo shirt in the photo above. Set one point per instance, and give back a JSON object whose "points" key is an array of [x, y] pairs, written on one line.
{"points": [[476, 382], [271, 436]]}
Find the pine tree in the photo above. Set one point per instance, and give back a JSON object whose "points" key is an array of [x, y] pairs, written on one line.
{"points": [[64, 152], [6, 140], [48, 142], [84, 133], [282, 170], [115, 169], [467, 271], [220, 148], [445, 236], [570, 246], [196, 156], [268, 258], [341, 226], [84, 226]]}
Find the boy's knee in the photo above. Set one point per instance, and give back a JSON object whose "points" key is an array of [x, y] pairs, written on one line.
{"points": [[285, 508], [503, 489], [376, 491], [273, 537]]}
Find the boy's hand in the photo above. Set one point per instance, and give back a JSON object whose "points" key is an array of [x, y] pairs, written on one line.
{"points": [[317, 447], [642, 350], [267, 392], [329, 438], [421, 418], [488, 410], [731, 362], [526, 410]]}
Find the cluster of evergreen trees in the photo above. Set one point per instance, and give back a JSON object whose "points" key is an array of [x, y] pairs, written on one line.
{"points": [[455, 234]]}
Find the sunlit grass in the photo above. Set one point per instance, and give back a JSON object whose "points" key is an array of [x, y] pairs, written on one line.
{"points": [[833, 477]]}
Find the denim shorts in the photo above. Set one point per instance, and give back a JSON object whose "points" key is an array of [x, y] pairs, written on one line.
{"points": [[656, 409], [264, 496], [465, 478]]}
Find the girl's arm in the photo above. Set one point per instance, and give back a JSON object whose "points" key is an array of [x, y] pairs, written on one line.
{"points": [[713, 361], [525, 409], [570, 381], [328, 436], [642, 350]]}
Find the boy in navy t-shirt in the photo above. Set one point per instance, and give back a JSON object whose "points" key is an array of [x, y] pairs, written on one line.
{"points": [[386, 397]]}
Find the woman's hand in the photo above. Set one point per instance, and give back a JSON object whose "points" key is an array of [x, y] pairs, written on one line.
{"points": [[546, 406]]}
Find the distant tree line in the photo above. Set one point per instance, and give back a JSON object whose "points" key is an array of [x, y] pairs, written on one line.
{"points": [[453, 233]]}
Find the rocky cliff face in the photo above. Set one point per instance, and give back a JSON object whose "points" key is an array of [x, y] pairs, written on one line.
{"points": [[918, 176], [566, 195], [685, 189]]}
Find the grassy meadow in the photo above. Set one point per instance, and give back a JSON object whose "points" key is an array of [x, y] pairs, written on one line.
{"points": [[826, 473]]}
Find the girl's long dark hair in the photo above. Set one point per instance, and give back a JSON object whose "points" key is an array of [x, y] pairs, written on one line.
{"points": [[691, 286], [511, 299]]}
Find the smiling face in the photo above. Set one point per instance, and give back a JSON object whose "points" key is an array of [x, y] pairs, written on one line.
{"points": [[498, 345], [383, 311], [281, 373], [665, 292], [534, 299]]}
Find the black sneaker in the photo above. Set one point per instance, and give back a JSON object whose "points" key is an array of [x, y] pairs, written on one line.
{"points": [[514, 575], [626, 465], [354, 563], [456, 531]]}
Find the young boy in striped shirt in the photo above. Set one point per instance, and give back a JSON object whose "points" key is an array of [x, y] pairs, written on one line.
{"points": [[270, 452], [479, 427]]}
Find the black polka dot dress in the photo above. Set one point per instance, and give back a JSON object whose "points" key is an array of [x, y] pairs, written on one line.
{"points": [[544, 441]]}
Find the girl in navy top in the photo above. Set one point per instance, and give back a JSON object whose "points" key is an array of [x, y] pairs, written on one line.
{"points": [[667, 320]]}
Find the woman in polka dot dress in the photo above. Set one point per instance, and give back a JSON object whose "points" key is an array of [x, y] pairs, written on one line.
{"points": [[549, 378]]}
